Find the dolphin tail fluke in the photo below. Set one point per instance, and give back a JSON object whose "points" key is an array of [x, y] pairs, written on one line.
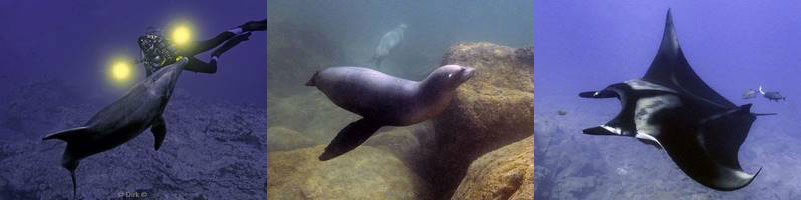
{"points": [[68, 135], [311, 81], [349, 138], [159, 130], [74, 185]]}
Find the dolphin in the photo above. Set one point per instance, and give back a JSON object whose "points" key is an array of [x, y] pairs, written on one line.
{"points": [[121, 121], [673, 109]]}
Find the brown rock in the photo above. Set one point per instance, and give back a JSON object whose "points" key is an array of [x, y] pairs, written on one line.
{"points": [[280, 138], [506, 173], [364, 173], [493, 109]]}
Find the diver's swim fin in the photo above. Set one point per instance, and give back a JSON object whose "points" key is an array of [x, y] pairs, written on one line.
{"points": [[260, 25], [231, 43], [349, 138]]}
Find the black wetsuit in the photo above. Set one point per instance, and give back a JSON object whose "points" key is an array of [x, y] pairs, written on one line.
{"points": [[158, 51]]}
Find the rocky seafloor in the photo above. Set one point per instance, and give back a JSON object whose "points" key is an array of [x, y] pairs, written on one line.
{"points": [[571, 165], [484, 128], [213, 150]]}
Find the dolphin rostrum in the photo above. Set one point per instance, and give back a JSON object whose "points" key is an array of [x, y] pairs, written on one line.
{"points": [[673, 109], [121, 121]]}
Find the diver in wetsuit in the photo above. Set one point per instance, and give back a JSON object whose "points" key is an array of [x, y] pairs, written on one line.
{"points": [[158, 51]]}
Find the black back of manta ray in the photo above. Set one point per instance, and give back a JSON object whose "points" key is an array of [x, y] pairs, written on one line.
{"points": [[702, 134]]}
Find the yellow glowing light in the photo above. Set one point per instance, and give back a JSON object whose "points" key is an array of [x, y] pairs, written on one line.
{"points": [[181, 35], [121, 71]]}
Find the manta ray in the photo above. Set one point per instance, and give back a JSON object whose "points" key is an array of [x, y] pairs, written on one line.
{"points": [[673, 109]]}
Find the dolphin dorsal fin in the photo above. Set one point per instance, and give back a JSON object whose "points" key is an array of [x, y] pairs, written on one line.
{"points": [[69, 134], [671, 69]]}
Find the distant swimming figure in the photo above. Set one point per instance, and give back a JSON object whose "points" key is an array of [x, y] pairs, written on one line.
{"points": [[384, 100], [771, 96], [389, 41], [750, 94], [158, 51]]}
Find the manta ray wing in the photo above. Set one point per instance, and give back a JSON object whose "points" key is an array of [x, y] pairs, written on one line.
{"points": [[707, 149], [673, 109], [671, 69]]}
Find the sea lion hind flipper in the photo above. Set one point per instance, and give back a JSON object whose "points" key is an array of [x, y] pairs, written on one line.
{"points": [[159, 130], [311, 81], [68, 135], [349, 138]]}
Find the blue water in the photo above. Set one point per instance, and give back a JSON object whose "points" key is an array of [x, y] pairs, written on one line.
{"points": [[74, 41], [732, 46]]}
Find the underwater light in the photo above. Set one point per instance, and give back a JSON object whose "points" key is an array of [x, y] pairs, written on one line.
{"points": [[181, 35], [120, 71]]}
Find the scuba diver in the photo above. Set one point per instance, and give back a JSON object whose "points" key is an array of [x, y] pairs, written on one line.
{"points": [[158, 51]]}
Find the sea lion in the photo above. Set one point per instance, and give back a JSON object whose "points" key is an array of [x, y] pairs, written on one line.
{"points": [[123, 120], [389, 41], [384, 100]]}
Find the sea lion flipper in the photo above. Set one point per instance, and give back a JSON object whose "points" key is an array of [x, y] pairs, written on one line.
{"points": [[350, 137], [312, 81], [159, 130]]}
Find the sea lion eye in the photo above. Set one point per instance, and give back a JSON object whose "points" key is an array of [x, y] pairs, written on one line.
{"points": [[450, 75]]}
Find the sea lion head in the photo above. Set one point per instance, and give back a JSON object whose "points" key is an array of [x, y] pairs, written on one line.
{"points": [[449, 77]]}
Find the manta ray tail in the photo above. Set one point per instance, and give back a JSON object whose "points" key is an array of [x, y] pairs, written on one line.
{"points": [[763, 114], [349, 138]]}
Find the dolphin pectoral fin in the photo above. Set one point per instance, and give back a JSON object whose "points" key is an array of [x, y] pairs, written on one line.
{"points": [[349, 138], [68, 135], [159, 130]]}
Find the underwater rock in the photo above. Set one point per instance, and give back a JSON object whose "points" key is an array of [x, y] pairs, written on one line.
{"points": [[282, 139], [364, 173], [400, 141], [506, 173], [309, 113], [27, 104], [493, 109], [213, 150]]}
